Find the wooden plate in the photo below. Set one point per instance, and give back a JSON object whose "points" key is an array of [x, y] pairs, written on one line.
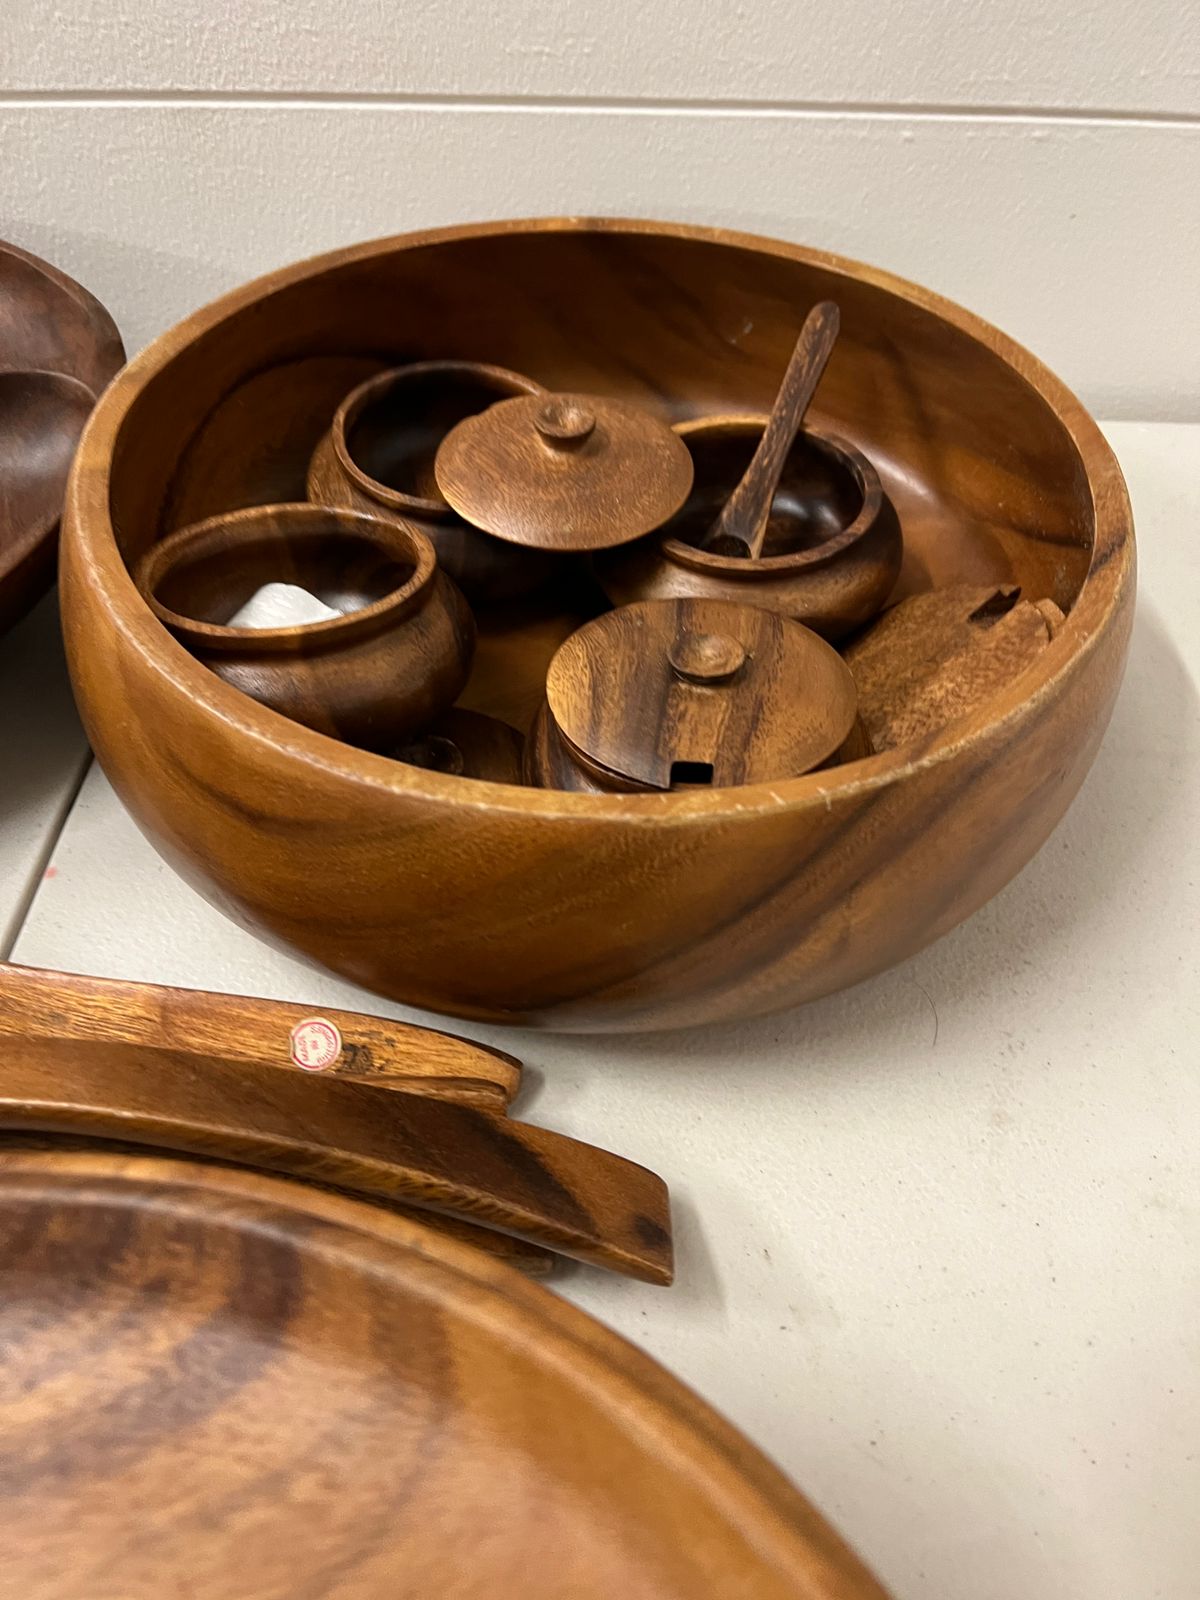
{"points": [[226, 1386], [58, 349]]}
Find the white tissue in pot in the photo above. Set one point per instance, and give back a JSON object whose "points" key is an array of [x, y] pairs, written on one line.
{"points": [[281, 605]]}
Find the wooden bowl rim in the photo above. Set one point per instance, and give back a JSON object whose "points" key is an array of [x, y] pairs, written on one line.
{"points": [[398, 538], [1110, 570], [668, 1419], [395, 377], [749, 572]]}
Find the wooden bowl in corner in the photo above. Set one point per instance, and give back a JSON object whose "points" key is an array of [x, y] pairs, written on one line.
{"points": [[221, 1384], [584, 911], [58, 348]]}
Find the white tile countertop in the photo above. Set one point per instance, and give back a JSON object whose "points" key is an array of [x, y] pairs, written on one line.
{"points": [[938, 1236]]}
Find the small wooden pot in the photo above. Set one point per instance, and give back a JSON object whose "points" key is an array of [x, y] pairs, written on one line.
{"points": [[378, 457], [466, 744], [833, 546], [395, 658], [682, 694]]}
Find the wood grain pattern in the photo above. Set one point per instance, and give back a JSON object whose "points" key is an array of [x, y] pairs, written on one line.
{"points": [[394, 659], [569, 472], [531, 1260], [740, 528], [58, 348], [832, 546], [86, 1073], [378, 454], [237, 1030], [695, 692], [935, 657], [222, 1384], [631, 911]]}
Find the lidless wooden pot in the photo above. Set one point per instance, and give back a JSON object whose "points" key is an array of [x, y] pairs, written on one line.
{"points": [[378, 457], [394, 658], [832, 550], [612, 911]]}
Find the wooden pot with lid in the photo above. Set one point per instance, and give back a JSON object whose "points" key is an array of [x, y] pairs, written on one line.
{"points": [[690, 693]]}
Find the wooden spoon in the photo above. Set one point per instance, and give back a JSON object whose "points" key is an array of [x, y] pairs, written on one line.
{"points": [[742, 525]]}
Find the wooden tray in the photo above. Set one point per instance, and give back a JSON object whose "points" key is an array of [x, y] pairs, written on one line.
{"points": [[227, 1386]]}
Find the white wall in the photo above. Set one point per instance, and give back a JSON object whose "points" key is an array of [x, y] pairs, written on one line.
{"points": [[1038, 161]]}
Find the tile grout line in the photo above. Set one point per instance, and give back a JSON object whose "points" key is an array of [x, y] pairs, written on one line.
{"points": [[16, 922]]}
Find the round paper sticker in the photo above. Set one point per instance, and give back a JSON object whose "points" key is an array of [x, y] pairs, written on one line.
{"points": [[316, 1044]]}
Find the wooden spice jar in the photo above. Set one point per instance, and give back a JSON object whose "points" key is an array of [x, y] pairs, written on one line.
{"points": [[832, 547]]}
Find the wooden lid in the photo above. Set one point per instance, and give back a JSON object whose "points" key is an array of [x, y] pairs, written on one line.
{"points": [[565, 471], [700, 691]]}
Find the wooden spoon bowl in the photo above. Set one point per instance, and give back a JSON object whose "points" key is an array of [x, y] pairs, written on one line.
{"points": [[615, 911], [832, 550]]}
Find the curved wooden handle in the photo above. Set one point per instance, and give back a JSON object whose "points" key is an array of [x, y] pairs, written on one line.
{"points": [[406, 1114], [235, 1028], [744, 516], [410, 1148]]}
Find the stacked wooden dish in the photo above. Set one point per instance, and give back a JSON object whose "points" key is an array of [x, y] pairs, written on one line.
{"points": [[263, 1328], [588, 514], [58, 348]]}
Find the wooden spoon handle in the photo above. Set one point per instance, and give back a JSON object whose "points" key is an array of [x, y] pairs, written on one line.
{"points": [[746, 513]]}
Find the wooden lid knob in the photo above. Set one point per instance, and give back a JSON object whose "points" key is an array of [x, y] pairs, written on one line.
{"points": [[563, 422], [707, 657]]}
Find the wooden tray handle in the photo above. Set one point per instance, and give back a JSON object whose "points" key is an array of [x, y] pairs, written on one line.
{"points": [[79, 1067]]}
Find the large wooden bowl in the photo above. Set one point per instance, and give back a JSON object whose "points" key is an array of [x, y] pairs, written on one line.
{"points": [[231, 1387], [599, 911]]}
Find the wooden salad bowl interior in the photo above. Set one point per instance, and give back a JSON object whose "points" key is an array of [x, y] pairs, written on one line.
{"points": [[599, 910], [237, 1387]]}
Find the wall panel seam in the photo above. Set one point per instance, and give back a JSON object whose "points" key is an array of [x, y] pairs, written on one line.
{"points": [[141, 99]]}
